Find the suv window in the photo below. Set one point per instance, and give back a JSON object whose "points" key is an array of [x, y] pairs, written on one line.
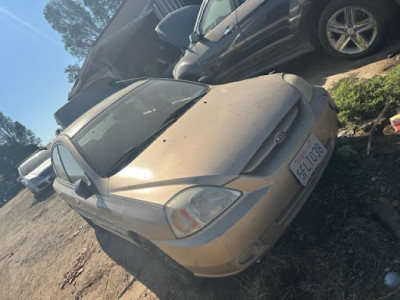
{"points": [[215, 12], [65, 165]]}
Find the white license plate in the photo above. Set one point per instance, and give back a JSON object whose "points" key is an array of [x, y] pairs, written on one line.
{"points": [[307, 159]]}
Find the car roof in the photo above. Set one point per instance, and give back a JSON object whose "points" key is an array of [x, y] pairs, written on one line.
{"points": [[83, 120]]}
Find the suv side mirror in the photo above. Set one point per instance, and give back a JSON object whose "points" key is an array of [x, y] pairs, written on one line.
{"points": [[194, 37], [82, 189]]}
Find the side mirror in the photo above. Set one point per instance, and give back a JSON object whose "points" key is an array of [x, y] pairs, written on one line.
{"points": [[194, 37], [19, 179], [82, 189]]}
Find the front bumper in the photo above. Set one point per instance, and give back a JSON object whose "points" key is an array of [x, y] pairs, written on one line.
{"points": [[39, 184], [270, 201]]}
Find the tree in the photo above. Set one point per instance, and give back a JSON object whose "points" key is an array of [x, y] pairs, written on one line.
{"points": [[74, 23], [80, 22], [16, 143], [72, 72], [102, 10], [15, 133]]}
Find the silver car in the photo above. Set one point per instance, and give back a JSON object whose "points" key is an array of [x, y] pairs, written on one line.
{"points": [[36, 171], [206, 178]]}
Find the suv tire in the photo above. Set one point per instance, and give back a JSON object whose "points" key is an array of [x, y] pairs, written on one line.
{"points": [[353, 28]]}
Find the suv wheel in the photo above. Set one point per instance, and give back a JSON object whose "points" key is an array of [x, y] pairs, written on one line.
{"points": [[353, 28]]}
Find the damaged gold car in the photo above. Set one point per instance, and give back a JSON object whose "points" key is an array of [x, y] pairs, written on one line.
{"points": [[206, 178]]}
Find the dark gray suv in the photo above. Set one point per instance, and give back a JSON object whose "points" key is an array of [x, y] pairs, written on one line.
{"points": [[235, 39]]}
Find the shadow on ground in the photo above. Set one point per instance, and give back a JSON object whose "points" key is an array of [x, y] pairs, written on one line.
{"points": [[157, 277], [44, 195], [319, 65]]}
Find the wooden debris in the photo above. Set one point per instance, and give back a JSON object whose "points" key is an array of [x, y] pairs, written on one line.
{"points": [[77, 267], [375, 124]]}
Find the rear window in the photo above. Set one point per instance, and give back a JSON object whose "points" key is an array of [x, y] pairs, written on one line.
{"points": [[33, 162], [125, 128]]}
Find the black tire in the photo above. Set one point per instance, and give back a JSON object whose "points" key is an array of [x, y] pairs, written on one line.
{"points": [[344, 39]]}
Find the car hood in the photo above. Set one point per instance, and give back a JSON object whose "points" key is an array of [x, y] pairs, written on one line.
{"points": [[212, 142], [45, 168]]}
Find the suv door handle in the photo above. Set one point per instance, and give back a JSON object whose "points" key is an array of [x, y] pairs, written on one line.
{"points": [[229, 30]]}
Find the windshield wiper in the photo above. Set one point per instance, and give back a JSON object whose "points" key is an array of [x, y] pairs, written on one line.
{"points": [[176, 114], [127, 157]]}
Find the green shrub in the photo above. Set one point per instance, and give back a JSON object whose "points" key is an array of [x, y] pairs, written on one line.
{"points": [[361, 99]]}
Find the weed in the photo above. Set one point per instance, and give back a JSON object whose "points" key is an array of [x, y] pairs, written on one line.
{"points": [[361, 99]]}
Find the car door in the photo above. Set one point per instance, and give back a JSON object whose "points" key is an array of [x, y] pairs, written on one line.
{"points": [[266, 27], [221, 38], [68, 172]]}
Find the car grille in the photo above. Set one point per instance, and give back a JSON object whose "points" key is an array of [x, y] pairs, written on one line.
{"points": [[274, 141]]}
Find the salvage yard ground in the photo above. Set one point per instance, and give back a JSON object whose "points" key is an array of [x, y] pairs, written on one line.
{"points": [[335, 249]]}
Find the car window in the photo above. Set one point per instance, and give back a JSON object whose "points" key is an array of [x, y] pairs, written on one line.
{"points": [[65, 165], [58, 166], [33, 162], [129, 125], [214, 13]]}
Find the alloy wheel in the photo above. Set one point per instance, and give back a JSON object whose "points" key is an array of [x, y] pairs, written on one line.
{"points": [[351, 30]]}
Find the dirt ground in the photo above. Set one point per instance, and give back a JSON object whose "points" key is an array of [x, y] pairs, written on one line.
{"points": [[47, 251]]}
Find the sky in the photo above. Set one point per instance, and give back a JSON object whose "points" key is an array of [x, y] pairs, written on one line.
{"points": [[33, 84]]}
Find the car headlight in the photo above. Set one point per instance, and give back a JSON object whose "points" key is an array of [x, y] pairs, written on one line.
{"points": [[301, 85], [193, 208]]}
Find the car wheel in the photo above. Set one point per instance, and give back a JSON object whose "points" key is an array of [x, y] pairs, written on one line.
{"points": [[353, 28]]}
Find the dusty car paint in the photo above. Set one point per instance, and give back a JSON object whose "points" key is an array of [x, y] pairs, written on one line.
{"points": [[216, 143]]}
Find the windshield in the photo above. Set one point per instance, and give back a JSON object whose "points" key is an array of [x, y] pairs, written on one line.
{"points": [[126, 128], [33, 162]]}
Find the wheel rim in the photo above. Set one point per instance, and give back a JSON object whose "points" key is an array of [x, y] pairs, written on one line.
{"points": [[351, 30]]}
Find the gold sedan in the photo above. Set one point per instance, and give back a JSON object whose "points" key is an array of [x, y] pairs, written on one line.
{"points": [[206, 178]]}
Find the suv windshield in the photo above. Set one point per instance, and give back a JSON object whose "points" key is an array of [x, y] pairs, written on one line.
{"points": [[33, 162], [118, 134]]}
